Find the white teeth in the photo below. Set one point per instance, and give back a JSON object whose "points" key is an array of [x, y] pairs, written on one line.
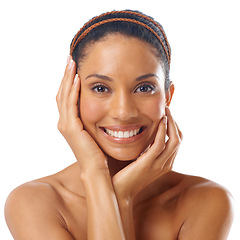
{"points": [[126, 135], [121, 134], [131, 133], [108, 131]]}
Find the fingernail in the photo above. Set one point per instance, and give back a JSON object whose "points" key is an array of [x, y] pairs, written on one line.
{"points": [[76, 78], [68, 59], [70, 64], [165, 119], [167, 109]]}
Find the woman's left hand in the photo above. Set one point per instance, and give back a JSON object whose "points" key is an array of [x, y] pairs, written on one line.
{"points": [[152, 164]]}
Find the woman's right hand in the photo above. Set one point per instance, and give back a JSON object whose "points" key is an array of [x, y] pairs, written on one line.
{"points": [[87, 152]]}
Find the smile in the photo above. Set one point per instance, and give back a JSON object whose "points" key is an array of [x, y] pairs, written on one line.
{"points": [[123, 134]]}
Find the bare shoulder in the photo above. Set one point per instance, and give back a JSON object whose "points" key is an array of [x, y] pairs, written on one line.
{"points": [[32, 207], [202, 188], [207, 207], [33, 190], [202, 192]]}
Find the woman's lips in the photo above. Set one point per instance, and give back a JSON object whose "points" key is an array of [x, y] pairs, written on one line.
{"points": [[120, 134]]}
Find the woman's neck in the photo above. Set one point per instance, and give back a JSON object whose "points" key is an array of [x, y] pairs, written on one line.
{"points": [[116, 165]]}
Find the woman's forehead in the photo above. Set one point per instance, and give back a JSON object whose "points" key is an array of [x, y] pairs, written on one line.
{"points": [[118, 53]]}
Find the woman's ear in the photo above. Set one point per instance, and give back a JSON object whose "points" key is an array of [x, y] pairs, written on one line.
{"points": [[169, 94]]}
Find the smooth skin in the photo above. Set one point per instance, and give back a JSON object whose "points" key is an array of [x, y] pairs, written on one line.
{"points": [[116, 189]]}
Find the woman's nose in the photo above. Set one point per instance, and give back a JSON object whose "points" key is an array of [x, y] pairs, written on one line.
{"points": [[123, 106]]}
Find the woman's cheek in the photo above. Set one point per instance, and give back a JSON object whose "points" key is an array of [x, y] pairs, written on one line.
{"points": [[91, 110], [154, 109]]}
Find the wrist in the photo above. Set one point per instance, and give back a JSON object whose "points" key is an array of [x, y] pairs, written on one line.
{"points": [[125, 199], [89, 175], [125, 203]]}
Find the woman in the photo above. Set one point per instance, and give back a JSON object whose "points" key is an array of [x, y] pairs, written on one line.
{"points": [[114, 113]]}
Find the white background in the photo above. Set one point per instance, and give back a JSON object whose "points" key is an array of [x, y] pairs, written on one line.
{"points": [[35, 38]]}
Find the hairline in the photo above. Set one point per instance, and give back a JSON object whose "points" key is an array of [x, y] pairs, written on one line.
{"points": [[91, 43]]}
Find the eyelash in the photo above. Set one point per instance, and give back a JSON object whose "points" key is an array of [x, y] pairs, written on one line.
{"points": [[97, 86], [146, 85]]}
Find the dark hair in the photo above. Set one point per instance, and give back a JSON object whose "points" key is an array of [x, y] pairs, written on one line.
{"points": [[129, 23]]}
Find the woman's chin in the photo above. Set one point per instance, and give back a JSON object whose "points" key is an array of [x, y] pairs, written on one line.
{"points": [[125, 155], [124, 158]]}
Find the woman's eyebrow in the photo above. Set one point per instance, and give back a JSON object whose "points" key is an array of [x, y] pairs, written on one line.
{"points": [[103, 77], [146, 76]]}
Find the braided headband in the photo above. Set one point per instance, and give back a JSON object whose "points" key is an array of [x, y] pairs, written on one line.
{"points": [[78, 38]]}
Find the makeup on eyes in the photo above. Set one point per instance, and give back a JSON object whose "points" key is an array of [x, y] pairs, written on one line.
{"points": [[142, 88], [99, 88]]}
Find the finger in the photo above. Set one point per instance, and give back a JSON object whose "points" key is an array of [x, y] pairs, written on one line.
{"points": [[162, 167], [159, 142], [73, 98], [172, 143], [64, 97], [158, 145], [68, 81], [169, 163], [58, 97], [65, 72], [179, 132], [172, 130]]}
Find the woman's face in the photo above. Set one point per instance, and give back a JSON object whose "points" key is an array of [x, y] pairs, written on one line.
{"points": [[122, 95]]}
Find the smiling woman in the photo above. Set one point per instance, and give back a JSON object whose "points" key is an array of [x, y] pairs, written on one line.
{"points": [[123, 92], [114, 103]]}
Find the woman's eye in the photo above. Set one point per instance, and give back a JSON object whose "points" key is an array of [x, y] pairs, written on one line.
{"points": [[100, 89], [145, 88]]}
